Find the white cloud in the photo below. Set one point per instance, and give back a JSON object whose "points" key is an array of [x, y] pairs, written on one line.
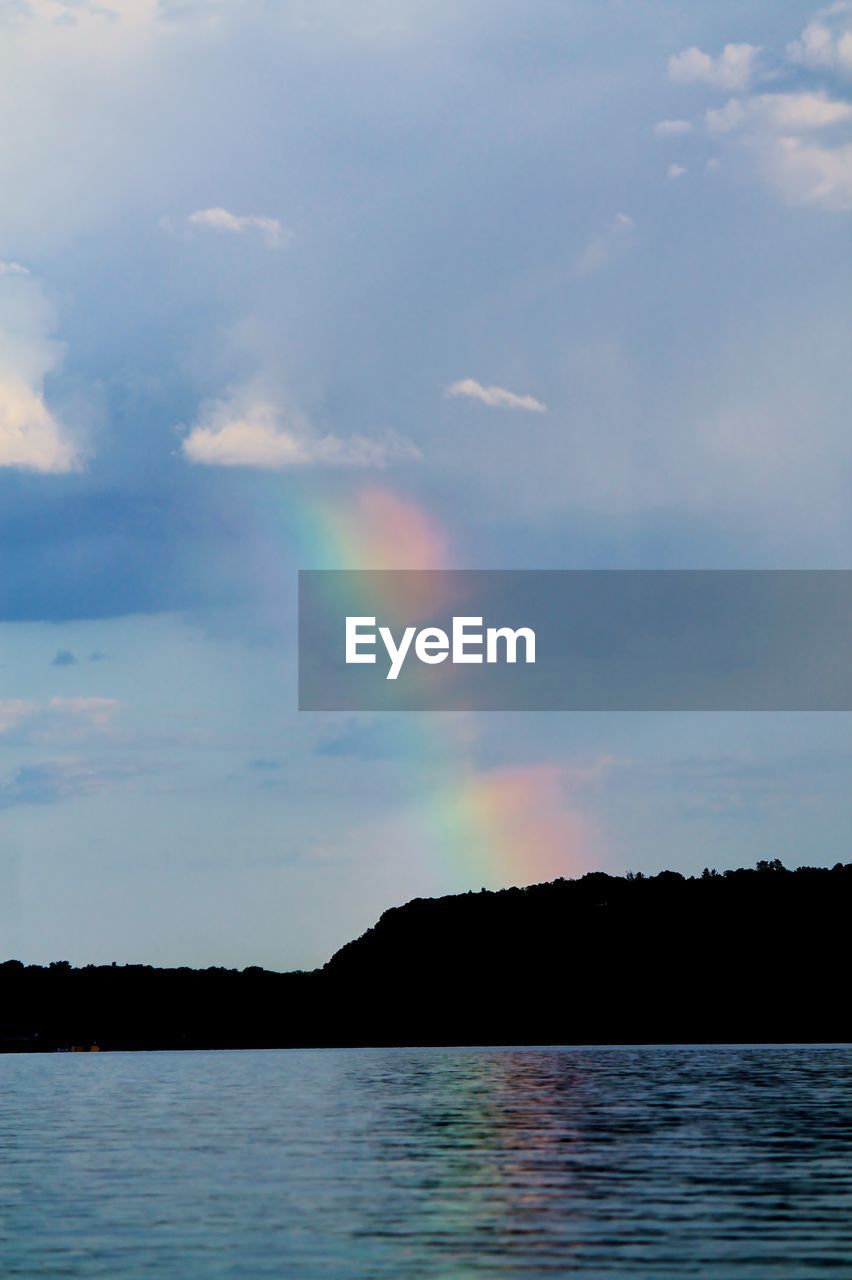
{"points": [[270, 229], [672, 128], [58, 720], [13, 269], [774, 131], [676, 171], [781, 112], [91, 713], [495, 397], [31, 439], [726, 119], [826, 41], [31, 436], [247, 431], [12, 712], [809, 174], [733, 69], [804, 172]]}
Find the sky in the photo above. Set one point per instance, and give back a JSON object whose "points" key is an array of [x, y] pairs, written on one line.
{"points": [[395, 285]]}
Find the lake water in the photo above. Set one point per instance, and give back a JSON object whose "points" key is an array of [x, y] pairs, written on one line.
{"points": [[716, 1162]]}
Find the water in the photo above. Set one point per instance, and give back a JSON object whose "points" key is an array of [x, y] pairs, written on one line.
{"points": [[405, 1163]]}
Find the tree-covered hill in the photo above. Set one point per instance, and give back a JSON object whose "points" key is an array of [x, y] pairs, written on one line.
{"points": [[747, 955]]}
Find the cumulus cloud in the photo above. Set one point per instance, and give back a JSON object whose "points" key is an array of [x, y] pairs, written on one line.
{"points": [[782, 112], [494, 397], [273, 234], [778, 131], [247, 431], [13, 269], [810, 174], [31, 437], [775, 132], [734, 68], [826, 42], [608, 244]]}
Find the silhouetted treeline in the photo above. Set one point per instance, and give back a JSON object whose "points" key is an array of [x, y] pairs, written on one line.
{"points": [[749, 955]]}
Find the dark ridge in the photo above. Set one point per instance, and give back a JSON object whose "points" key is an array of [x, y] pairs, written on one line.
{"points": [[751, 955]]}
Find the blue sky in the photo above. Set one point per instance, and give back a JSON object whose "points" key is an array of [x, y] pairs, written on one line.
{"points": [[571, 281]]}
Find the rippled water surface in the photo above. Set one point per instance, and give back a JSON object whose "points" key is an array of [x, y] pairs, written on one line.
{"points": [[591, 1162]]}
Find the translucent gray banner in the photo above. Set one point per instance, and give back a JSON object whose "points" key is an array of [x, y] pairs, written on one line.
{"points": [[572, 640]]}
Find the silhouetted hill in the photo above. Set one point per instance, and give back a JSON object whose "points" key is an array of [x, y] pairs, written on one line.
{"points": [[750, 955]]}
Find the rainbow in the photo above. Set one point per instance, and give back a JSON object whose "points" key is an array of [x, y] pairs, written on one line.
{"points": [[471, 826], [373, 528]]}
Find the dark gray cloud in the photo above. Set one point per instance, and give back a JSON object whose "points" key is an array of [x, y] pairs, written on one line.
{"points": [[63, 658], [34, 784]]}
